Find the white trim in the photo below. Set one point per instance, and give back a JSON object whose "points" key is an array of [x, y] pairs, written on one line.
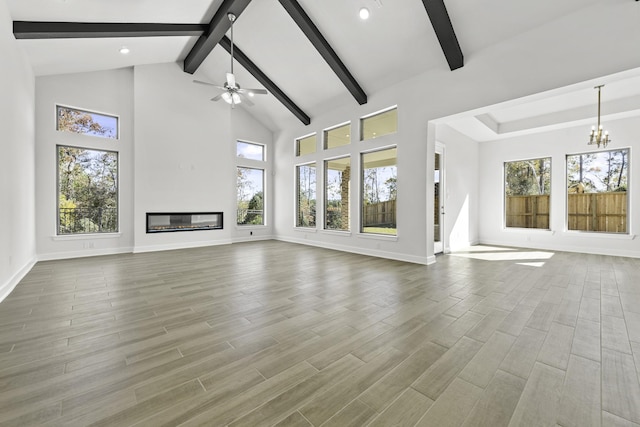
{"points": [[362, 251], [13, 281], [377, 236], [87, 236], [342, 233], [599, 235], [306, 229], [566, 248], [251, 239], [83, 253], [173, 246]]}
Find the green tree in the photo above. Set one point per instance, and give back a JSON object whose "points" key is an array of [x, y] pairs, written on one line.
{"points": [[77, 121]]}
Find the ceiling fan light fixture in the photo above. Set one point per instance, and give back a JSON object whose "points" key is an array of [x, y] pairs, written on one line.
{"points": [[364, 13], [226, 96], [236, 98]]}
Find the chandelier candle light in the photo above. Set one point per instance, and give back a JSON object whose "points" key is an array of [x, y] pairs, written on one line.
{"points": [[598, 136]]}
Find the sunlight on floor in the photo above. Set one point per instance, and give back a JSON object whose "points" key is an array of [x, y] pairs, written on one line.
{"points": [[493, 253]]}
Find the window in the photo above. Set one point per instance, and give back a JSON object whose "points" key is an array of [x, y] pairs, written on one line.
{"points": [[306, 195], [86, 122], [250, 186], [597, 187], [306, 145], [87, 191], [336, 184], [379, 191], [379, 124], [338, 136], [527, 189], [249, 150]]}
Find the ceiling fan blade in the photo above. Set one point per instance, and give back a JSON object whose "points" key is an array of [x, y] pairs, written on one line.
{"points": [[231, 80], [216, 98], [254, 91], [246, 99]]}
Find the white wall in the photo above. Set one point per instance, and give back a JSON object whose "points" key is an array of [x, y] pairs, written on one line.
{"points": [[530, 63], [461, 188], [106, 92], [556, 144], [17, 190], [185, 155]]}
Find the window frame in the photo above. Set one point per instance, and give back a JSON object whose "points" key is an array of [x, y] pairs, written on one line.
{"points": [[263, 146], [84, 110], [326, 199], [264, 196], [325, 135], [59, 235], [297, 144], [297, 196], [628, 216], [361, 204], [376, 114], [549, 194]]}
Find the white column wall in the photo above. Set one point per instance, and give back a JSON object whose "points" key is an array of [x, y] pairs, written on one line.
{"points": [[17, 188]]}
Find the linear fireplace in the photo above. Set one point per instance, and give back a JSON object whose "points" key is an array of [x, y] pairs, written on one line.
{"points": [[191, 221]]}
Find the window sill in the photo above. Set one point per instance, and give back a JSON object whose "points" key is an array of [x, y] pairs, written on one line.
{"points": [[306, 229], [373, 236], [88, 236], [343, 233]]}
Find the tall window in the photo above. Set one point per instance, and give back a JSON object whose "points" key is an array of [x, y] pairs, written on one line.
{"points": [[597, 188], [87, 191], [250, 186], [379, 124], [306, 145], [337, 136], [527, 189], [306, 195], [86, 122], [336, 185], [379, 191]]}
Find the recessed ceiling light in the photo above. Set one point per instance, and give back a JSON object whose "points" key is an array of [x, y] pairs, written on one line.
{"points": [[124, 50], [364, 13]]}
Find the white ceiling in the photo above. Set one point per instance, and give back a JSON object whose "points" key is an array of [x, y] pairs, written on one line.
{"points": [[395, 44]]}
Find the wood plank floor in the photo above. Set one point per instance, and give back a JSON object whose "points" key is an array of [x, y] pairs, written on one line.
{"points": [[271, 333]]}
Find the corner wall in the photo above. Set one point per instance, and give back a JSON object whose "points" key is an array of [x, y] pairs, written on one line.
{"points": [[17, 188]]}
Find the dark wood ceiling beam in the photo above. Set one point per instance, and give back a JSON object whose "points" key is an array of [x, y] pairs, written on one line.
{"points": [[72, 30], [312, 32], [264, 80], [444, 31], [217, 28]]}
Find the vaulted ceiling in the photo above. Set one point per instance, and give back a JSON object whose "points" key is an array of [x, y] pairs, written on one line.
{"points": [[319, 54]]}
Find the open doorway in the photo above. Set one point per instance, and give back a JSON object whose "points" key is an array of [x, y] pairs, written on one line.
{"points": [[438, 202]]}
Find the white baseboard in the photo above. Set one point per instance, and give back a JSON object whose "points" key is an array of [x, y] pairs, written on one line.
{"points": [[245, 239], [83, 253], [6, 288], [174, 246], [565, 248], [362, 251]]}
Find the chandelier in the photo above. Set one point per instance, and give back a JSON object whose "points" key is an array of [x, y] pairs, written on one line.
{"points": [[599, 136]]}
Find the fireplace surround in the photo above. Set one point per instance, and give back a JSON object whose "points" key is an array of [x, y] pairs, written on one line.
{"points": [[163, 222]]}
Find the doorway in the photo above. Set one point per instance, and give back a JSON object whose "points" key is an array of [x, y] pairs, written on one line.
{"points": [[438, 202]]}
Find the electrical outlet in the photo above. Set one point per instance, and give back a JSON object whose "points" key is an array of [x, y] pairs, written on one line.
{"points": [[251, 233]]}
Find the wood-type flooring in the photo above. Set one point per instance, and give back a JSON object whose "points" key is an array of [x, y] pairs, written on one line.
{"points": [[277, 334]]}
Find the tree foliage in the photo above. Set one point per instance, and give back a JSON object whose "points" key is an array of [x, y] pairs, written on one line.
{"points": [[602, 171], [528, 177], [83, 122]]}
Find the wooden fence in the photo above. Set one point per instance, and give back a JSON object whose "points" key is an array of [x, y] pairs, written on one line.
{"points": [[382, 214], [605, 212]]}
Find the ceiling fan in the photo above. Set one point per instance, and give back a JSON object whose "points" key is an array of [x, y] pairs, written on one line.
{"points": [[232, 92]]}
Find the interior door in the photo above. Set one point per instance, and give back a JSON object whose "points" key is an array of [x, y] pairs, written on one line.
{"points": [[438, 203]]}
